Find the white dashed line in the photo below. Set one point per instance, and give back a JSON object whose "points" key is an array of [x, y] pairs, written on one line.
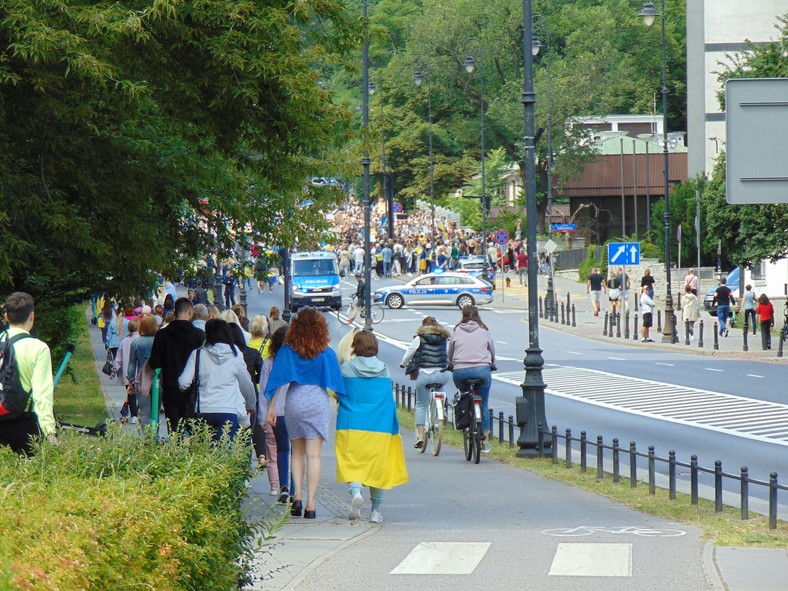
{"points": [[752, 375], [712, 369], [617, 358], [665, 364], [502, 342], [574, 353]]}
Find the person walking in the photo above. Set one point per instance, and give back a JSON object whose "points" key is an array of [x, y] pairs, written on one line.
{"points": [[472, 356], [723, 298], [121, 366], [522, 266], [275, 321], [171, 348], [139, 375], [272, 419], [34, 367], [766, 315], [595, 286], [613, 295], [690, 309], [226, 394], [749, 306], [647, 307], [692, 281], [368, 445], [429, 352], [310, 367], [229, 289], [648, 281]]}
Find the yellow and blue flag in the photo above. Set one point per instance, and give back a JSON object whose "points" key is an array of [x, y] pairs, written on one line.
{"points": [[368, 443]]}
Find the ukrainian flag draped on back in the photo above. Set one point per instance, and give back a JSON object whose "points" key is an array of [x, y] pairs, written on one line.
{"points": [[368, 443]]}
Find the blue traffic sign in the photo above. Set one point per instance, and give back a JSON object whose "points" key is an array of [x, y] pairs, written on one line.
{"points": [[564, 227], [502, 237], [398, 207], [623, 253]]}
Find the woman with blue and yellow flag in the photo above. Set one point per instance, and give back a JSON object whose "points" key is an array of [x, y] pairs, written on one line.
{"points": [[368, 443]]}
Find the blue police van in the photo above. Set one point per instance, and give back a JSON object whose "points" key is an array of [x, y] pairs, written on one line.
{"points": [[315, 280]]}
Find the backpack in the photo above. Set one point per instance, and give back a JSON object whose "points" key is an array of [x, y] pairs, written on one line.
{"points": [[14, 400]]}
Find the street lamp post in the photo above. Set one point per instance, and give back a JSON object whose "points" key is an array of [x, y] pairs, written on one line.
{"points": [[536, 45], [470, 66], [365, 162], [531, 405], [418, 78], [388, 193], [649, 14]]}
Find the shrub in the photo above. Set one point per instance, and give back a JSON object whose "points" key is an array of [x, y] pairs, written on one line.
{"points": [[126, 512]]}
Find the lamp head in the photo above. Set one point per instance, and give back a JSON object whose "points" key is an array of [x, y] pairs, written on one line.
{"points": [[470, 64], [648, 13], [418, 77], [536, 45], [371, 88]]}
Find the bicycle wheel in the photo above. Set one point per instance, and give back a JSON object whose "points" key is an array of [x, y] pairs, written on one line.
{"points": [[467, 444], [377, 313], [435, 428], [344, 313], [477, 442]]}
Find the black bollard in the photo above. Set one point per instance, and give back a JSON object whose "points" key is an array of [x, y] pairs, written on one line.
{"points": [[675, 330], [686, 333], [700, 334], [618, 325], [541, 309], [635, 328], [574, 320], [604, 330], [744, 338], [659, 320], [563, 314], [782, 340], [716, 338], [568, 304], [626, 325]]}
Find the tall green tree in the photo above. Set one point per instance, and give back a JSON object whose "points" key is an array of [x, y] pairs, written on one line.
{"points": [[134, 134]]}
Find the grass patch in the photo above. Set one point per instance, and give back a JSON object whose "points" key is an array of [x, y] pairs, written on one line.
{"points": [[79, 397], [723, 529]]}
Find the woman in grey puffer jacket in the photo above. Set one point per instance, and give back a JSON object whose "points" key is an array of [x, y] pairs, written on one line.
{"points": [[430, 346]]}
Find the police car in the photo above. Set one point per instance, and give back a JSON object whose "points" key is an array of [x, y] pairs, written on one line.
{"points": [[475, 267], [453, 289]]}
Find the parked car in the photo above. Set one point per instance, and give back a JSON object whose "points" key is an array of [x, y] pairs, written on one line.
{"points": [[732, 281], [451, 289], [475, 267]]}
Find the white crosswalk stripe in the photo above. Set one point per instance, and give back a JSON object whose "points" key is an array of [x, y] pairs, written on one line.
{"points": [[726, 413]]}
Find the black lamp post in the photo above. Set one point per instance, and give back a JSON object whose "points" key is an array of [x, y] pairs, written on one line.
{"points": [[470, 66], [388, 193], [418, 78], [531, 405], [365, 161], [649, 14]]}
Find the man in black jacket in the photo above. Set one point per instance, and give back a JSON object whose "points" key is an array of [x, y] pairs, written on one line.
{"points": [[171, 349]]}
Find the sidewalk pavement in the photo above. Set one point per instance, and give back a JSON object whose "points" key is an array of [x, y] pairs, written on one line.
{"points": [[299, 548], [589, 326]]}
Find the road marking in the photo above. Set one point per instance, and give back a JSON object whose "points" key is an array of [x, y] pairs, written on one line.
{"points": [[753, 375], [574, 353], [592, 560], [723, 413], [442, 558], [617, 358], [502, 342], [712, 369], [665, 364]]}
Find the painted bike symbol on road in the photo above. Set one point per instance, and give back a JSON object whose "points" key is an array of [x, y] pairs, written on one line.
{"points": [[587, 530]]}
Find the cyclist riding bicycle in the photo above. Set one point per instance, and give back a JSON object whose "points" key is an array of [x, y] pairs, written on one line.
{"points": [[361, 290], [472, 356], [429, 348]]}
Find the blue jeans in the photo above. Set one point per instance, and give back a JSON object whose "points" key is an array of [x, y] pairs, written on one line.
{"points": [[386, 268], [722, 316], [219, 421], [747, 314], [423, 393], [375, 494], [480, 372]]}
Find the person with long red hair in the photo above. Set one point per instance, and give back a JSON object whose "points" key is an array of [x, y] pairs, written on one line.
{"points": [[310, 367]]}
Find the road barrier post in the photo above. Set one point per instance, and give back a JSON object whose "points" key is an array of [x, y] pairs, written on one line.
{"points": [[744, 339], [659, 320], [635, 328], [600, 450], [652, 483], [568, 448], [616, 461], [700, 335], [718, 486], [618, 324], [694, 480], [716, 338], [745, 497], [672, 474], [626, 325], [574, 320], [633, 465], [583, 444], [604, 331]]}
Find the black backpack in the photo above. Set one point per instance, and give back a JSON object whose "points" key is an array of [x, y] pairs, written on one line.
{"points": [[14, 400]]}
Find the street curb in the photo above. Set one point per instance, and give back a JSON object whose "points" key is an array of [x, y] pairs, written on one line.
{"points": [[710, 566]]}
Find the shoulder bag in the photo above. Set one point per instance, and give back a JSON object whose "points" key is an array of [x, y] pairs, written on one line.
{"points": [[193, 392]]}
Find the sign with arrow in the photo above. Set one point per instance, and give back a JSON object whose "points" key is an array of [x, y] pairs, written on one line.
{"points": [[623, 253]]}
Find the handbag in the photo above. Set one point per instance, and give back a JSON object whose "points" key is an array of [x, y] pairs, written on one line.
{"points": [[107, 369], [193, 392], [614, 294], [412, 369]]}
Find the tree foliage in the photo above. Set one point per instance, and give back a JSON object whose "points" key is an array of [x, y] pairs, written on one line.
{"points": [[137, 134]]}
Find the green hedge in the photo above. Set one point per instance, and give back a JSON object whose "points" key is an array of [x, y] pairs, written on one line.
{"points": [[125, 512]]}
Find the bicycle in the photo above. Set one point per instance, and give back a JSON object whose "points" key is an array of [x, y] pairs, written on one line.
{"points": [[345, 313], [473, 434], [433, 430]]}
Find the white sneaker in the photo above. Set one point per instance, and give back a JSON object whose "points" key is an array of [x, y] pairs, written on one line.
{"points": [[355, 507], [375, 517], [134, 420], [274, 491]]}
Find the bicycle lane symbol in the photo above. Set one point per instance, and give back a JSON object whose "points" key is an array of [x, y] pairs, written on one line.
{"points": [[587, 530]]}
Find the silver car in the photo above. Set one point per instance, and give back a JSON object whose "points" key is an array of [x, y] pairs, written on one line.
{"points": [[452, 289]]}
